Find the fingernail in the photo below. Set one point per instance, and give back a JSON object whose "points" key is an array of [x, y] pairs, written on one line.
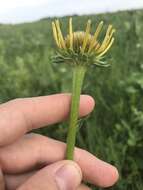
{"points": [[68, 177]]}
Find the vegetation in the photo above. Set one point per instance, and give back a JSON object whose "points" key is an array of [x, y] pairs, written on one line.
{"points": [[114, 131]]}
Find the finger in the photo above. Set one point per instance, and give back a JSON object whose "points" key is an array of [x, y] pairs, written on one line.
{"points": [[2, 185], [22, 115], [36, 150], [14, 181], [63, 175]]}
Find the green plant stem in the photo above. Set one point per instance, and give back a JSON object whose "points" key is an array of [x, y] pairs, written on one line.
{"points": [[78, 76]]}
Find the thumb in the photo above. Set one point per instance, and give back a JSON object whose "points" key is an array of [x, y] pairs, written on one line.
{"points": [[62, 175]]}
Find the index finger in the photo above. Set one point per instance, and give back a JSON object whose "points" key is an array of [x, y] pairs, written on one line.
{"points": [[19, 116]]}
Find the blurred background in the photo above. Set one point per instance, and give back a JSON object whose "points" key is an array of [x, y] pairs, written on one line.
{"points": [[114, 131]]}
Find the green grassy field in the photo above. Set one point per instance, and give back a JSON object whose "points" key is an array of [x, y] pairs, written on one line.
{"points": [[114, 131]]}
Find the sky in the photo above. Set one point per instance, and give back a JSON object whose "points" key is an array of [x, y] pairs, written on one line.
{"points": [[16, 11]]}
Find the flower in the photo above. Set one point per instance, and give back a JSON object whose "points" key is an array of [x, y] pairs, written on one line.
{"points": [[82, 47]]}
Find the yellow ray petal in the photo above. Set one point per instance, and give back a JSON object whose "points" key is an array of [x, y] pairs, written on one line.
{"points": [[107, 41], [71, 33], [96, 34], [104, 43], [110, 37], [87, 32], [55, 34], [107, 48], [60, 36]]}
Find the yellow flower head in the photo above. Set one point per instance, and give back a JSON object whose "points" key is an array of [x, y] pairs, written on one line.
{"points": [[82, 47]]}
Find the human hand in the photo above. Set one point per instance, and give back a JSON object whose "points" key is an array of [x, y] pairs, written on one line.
{"points": [[35, 162]]}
